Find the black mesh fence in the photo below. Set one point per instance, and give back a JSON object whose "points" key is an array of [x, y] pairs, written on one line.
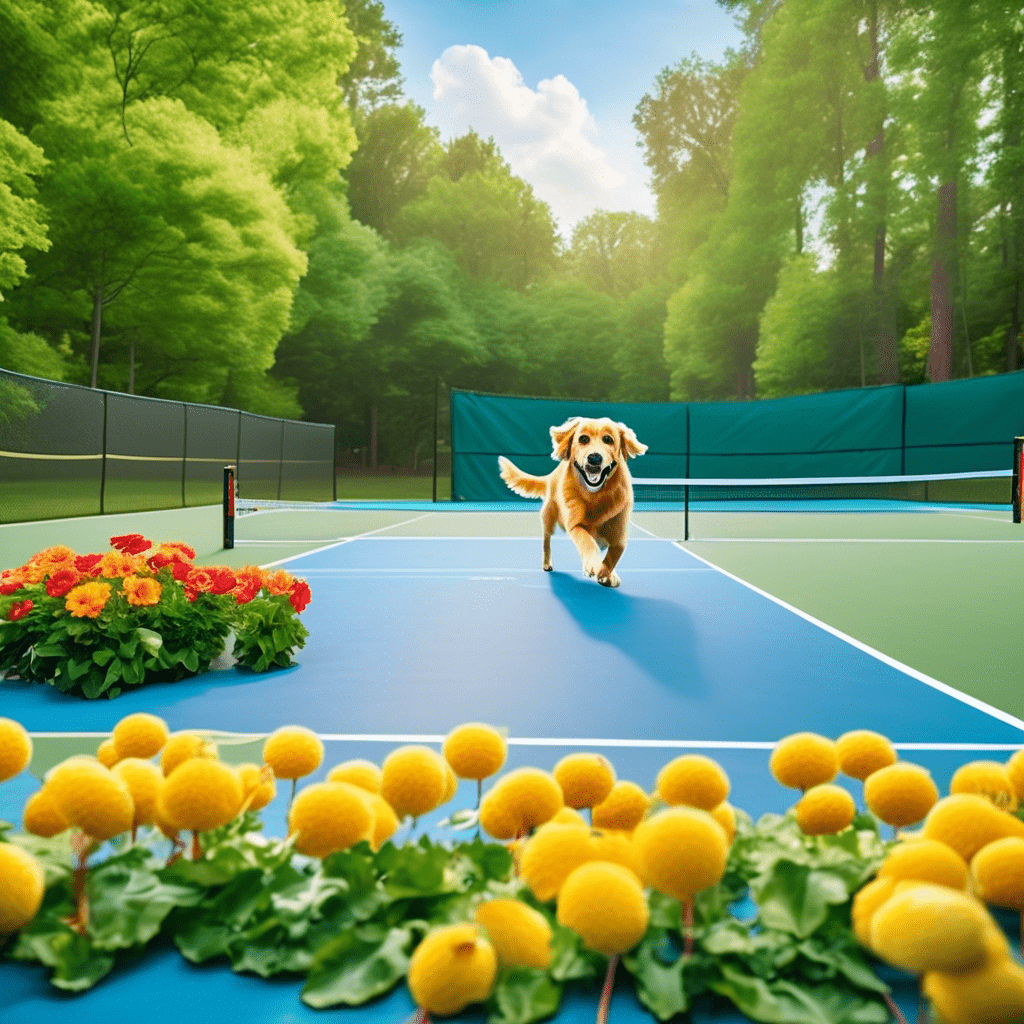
{"points": [[67, 450]]}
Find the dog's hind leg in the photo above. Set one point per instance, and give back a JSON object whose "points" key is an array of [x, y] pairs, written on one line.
{"points": [[549, 517]]}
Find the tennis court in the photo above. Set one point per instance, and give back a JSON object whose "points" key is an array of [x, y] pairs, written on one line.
{"points": [[424, 618]]}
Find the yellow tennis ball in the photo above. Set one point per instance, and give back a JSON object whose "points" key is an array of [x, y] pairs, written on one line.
{"points": [[144, 780], [90, 796], [551, 854], [992, 994], [140, 735], [998, 871], [988, 779], [623, 808], [475, 750], [925, 860], [804, 759], [293, 752], [452, 967], [568, 816], [364, 774], [930, 928], [41, 817], [681, 850], [258, 786], [967, 822], [725, 815], [694, 780], [22, 883], [900, 794], [498, 818], [329, 816], [585, 779], [865, 902], [200, 794], [521, 936], [520, 800], [106, 753], [605, 906], [15, 748], [825, 810], [180, 746], [413, 780], [385, 821], [451, 784], [1015, 769], [862, 752]]}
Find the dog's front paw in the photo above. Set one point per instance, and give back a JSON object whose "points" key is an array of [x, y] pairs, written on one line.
{"points": [[592, 568], [608, 579]]}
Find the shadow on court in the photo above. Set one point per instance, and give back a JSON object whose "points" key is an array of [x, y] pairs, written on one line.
{"points": [[657, 635]]}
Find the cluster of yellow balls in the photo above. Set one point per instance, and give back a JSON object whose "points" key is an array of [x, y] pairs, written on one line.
{"points": [[925, 910]]}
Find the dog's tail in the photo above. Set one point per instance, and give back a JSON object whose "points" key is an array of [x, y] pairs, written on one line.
{"points": [[522, 483]]}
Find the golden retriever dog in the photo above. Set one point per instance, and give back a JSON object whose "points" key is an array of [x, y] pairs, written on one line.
{"points": [[589, 494]]}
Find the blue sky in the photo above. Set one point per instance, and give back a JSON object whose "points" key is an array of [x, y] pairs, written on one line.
{"points": [[555, 83]]}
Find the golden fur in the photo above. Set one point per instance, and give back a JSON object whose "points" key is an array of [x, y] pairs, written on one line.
{"points": [[594, 512]]}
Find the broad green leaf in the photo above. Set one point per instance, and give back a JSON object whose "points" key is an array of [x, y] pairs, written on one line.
{"points": [[354, 971], [796, 898], [523, 995], [660, 985]]}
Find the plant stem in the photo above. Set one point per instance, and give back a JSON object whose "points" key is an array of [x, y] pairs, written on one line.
{"points": [[688, 928], [606, 992], [197, 852], [894, 1009]]}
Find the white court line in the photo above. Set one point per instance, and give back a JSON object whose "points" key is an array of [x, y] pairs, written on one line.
{"points": [[552, 741], [949, 691], [447, 570], [358, 536]]}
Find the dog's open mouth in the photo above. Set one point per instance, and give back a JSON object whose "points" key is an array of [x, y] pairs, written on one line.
{"points": [[593, 477]]}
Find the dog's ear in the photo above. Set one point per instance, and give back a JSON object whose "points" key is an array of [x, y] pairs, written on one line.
{"points": [[630, 446], [561, 438]]}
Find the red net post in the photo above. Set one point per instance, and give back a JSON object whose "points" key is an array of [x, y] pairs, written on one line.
{"points": [[1018, 477]]}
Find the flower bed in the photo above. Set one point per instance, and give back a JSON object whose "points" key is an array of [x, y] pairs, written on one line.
{"points": [[139, 613]]}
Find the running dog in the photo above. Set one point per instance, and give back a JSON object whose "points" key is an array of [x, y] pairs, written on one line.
{"points": [[589, 493]]}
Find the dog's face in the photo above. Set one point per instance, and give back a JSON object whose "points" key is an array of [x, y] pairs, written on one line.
{"points": [[594, 448]]}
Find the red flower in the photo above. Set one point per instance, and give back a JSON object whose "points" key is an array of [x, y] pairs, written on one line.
{"points": [[61, 582], [224, 580], [180, 571], [246, 589], [86, 563], [300, 595], [131, 543], [19, 610], [200, 580], [11, 585]]}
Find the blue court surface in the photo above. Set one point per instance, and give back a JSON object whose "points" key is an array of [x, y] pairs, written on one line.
{"points": [[410, 636]]}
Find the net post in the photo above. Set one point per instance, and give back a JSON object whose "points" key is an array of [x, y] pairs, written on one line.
{"points": [[686, 512], [229, 507], [1018, 477], [437, 387]]}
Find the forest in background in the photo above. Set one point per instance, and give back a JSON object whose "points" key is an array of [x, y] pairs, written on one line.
{"points": [[236, 204]]}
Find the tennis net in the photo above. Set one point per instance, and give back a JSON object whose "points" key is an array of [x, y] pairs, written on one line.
{"points": [[743, 501]]}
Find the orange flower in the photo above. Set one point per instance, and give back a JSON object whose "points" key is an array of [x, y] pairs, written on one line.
{"points": [[88, 600], [116, 563], [248, 583], [142, 591], [186, 550], [33, 572], [278, 581], [11, 581], [58, 557]]}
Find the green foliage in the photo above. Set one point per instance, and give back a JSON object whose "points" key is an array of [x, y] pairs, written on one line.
{"points": [[350, 923], [21, 223]]}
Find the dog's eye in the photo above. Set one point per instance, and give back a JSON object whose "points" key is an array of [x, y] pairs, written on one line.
{"points": [[607, 439], [584, 439]]}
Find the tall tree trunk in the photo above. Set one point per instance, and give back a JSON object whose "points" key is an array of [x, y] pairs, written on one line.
{"points": [[97, 325], [1013, 108], [883, 321], [940, 351]]}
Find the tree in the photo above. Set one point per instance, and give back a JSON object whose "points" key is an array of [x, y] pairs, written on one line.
{"points": [[486, 216], [396, 158], [640, 355], [21, 216], [373, 75], [613, 252]]}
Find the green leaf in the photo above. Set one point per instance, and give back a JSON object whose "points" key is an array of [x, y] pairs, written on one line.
{"points": [[102, 656], [844, 960], [660, 985], [523, 995], [414, 870], [77, 965], [351, 971], [796, 898], [570, 959]]}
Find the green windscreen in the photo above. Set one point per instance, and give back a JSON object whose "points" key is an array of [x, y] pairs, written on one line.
{"points": [[959, 426]]}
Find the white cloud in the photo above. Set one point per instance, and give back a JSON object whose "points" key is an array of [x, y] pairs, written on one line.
{"points": [[546, 134]]}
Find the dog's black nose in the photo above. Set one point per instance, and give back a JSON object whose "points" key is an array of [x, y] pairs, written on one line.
{"points": [[594, 459]]}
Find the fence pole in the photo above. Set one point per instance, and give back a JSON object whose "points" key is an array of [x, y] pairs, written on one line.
{"points": [[437, 388], [103, 461]]}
